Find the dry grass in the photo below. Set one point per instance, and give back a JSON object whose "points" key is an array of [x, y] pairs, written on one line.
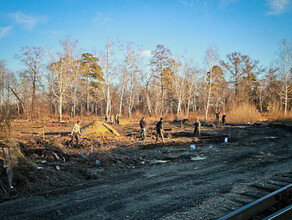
{"points": [[200, 115], [279, 116], [243, 113]]}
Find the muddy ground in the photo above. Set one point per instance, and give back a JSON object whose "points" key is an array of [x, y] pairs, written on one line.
{"points": [[134, 179]]}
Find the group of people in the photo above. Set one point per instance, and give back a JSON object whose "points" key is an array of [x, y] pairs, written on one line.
{"points": [[76, 133], [112, 119], [159, 129], [218, 117]]}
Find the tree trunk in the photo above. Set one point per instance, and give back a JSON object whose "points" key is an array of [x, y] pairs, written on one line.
{"points": [[87, 94], [180, 87], [108, 102], [286, 95], [33, 96], [60, 107], [122, 97], [18, 98], [178, 107], [188, 107], [130, 104], [217, 104], [208, 101], [81, 108], [261, 97], [1, 106], [74, 109], [148, 103]]}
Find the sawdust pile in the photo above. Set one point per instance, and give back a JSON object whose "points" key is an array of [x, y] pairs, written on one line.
{"points": [[99, 129]]}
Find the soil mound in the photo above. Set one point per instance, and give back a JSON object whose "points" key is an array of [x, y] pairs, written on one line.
{"points": [[99, 129]]}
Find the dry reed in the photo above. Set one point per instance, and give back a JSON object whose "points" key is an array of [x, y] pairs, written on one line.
{"points": [[243, 113]]}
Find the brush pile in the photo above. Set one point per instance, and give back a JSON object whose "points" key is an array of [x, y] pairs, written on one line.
{"points": [[99, 129]]}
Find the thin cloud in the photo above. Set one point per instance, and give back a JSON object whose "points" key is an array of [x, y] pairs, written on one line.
{"points": [[4, 31], [278, 6], [29, 22], [101, 18]]}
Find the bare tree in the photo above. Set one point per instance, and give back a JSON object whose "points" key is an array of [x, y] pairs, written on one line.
{"points": [[160, 61], [131, 93], [212, 58], [127, 69], [272, 90], [62, 71], [233, 66], [191, 75], [174, 82], [3, 72], [285, 69], [107, 62], [9, 84], [31, 57], [146, 80]]}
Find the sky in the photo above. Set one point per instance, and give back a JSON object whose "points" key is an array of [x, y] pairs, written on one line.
{"points": [[252, 27]]}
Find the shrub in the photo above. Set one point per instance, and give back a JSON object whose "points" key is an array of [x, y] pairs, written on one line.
{"points": [[243, 113]]}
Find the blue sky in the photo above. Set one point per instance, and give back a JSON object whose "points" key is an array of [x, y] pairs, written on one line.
{"points": [[253, 27]]}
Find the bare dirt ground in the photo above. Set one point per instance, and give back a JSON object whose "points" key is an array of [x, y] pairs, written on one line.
{"points": [[134, 179]]}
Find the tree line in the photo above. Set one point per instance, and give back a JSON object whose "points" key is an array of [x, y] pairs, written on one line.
{"points": [[119, 80]]}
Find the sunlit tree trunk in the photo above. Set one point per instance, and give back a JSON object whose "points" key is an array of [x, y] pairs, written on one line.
{"points": [[208, 99], [122, 96], [285, 68], [87, 94], [107, 63]]}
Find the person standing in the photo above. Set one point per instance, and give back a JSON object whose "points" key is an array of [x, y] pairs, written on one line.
{"points": [[143, 125], [118, 119], [197, 131], [223, 119], [76, 133], [159, 130], [217, 118]]}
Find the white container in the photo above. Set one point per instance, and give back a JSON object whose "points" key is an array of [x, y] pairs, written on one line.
{"points": [[226, 140]]}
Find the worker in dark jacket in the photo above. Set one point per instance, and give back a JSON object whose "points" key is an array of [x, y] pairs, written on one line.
{"points": [[143, 125], [223, 119], [159, 130], [218, 116], [197, 131]]}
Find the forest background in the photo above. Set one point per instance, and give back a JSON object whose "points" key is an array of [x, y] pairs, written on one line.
{"points": [[72, 83]]}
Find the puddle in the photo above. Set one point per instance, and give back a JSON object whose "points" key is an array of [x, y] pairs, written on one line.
{"points": [[158, 161], [271, 137]]}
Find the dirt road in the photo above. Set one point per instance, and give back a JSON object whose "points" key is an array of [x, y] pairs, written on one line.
{"points": [[203, 184]]}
